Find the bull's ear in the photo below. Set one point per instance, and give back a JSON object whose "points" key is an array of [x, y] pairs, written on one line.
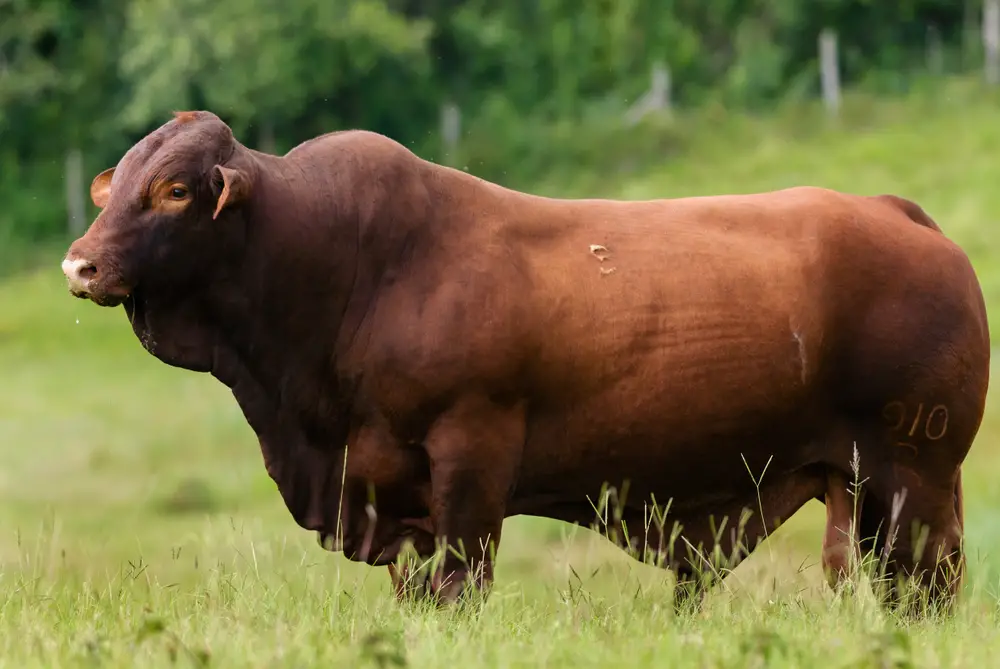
{"points": [[235, 187], [100, 188]]}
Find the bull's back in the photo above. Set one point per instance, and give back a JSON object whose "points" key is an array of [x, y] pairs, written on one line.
{"points": [[704, 281], [698, 282], [671, 297]]}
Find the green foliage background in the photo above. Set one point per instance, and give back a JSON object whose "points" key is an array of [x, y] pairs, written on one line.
{"points": [[532, 77]]}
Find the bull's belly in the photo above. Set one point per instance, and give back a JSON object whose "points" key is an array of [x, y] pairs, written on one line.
{"points": [[692, 461]]}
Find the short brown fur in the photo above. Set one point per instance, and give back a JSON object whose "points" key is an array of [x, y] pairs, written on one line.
{"points": [[485, 353]]}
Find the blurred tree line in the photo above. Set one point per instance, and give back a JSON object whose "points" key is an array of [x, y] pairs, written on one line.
{"points": [[92, 76]]}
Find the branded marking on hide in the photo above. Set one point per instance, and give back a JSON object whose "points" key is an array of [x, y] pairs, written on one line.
{"points": [[897, 409], [600, 252], [940, 411], [934, 423]]}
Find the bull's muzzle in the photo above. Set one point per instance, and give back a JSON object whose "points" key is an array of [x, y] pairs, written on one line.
{"points": [[86, 282]]}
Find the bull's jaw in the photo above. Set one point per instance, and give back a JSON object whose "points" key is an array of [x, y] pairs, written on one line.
{"points": [[174, 332], [135, 310]]}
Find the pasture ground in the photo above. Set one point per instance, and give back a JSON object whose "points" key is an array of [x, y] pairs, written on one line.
{"points": [[138, 526]]}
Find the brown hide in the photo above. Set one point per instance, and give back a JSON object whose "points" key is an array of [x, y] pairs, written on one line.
{"points": [[484, 353]]}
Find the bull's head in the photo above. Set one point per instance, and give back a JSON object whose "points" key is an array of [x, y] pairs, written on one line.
{"points": [[160, 204]]}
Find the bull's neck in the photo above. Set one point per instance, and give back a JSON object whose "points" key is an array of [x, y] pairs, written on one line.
{"points": [[319, 245]]}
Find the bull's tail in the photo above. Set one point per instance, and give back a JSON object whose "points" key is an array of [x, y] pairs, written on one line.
{"points": [[911, 209]]}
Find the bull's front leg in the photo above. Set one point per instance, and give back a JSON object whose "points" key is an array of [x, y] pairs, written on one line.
{"points": [[474, 448]]}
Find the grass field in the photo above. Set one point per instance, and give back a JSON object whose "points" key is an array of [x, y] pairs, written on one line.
{"points": [[139, 528]]}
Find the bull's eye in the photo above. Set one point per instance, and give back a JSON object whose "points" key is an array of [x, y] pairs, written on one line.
{"points": [[178, 192]]}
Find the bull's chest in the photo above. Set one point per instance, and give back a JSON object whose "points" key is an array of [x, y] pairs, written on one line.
{"points": [[393, 476]]}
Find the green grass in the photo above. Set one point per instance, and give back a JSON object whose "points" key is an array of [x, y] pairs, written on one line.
{"points": [[139, 528]]}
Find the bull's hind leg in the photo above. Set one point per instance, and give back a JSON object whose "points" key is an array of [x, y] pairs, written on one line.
{"points": [[921, 544], [916, 499]]}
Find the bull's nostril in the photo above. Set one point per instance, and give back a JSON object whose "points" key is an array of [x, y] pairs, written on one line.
{"points": [[79, 272]]}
